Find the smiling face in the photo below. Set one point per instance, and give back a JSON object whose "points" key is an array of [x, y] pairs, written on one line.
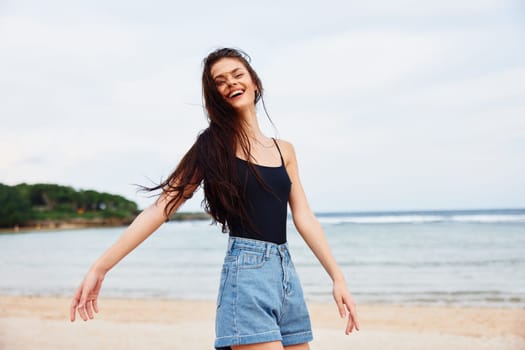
{"points": [[234, 83]]}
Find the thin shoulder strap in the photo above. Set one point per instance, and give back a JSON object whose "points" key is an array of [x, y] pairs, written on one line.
{"points": [[282, 160]]}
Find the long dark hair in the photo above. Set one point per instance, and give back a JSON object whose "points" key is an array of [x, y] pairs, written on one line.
{"points": [[211, 161]]}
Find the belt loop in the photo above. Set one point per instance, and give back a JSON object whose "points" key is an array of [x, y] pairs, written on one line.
{"points": [[285, 249], [268, 249], [230, 244], [282, 251]]}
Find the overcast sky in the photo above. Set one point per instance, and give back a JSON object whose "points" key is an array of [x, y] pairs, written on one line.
{"points": [[391, 105]]}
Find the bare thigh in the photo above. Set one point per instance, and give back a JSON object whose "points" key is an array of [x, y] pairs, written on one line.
{"points": [[273, 345], [303, 346]]}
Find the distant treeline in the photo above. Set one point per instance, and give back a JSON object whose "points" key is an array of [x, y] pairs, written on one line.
{"points": [[30, 205]]}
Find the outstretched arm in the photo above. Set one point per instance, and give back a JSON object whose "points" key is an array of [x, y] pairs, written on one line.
{"points": [[86, 297], [312, 233]]}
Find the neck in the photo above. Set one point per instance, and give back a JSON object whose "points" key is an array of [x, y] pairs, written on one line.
{"points": [[251, 123]]}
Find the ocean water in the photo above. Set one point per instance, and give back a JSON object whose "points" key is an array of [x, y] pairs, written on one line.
{"points": [[469, 258]]}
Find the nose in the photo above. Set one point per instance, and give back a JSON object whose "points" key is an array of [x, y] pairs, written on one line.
{"points": [[231, 82]]}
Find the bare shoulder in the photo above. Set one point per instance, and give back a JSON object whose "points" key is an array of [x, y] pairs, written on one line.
{"points": [[287, 150]]}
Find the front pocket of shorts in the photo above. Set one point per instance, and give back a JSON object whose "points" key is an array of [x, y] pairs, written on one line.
{"points": [[251, 260], [224, 276]]}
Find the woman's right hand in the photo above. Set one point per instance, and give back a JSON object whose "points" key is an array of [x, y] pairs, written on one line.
{"points": [[86, 297]]}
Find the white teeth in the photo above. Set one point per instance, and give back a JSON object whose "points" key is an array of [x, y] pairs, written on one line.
{"points": [[236, 93]]}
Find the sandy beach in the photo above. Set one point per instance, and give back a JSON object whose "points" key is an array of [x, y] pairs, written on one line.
{"points": [[43, 323]]}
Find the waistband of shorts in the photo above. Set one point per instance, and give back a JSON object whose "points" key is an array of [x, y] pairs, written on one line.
{"points": [[269, 248]]}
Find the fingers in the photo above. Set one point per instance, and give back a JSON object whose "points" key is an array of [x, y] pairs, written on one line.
{"points": [[353, 321], [340, 305], [89, 309], [85, 309], [74, 303], [82, 307], [85, 300], [349, 325], [345, 303], [95, 305], [96, 291], [352, 314], [73, 310]]}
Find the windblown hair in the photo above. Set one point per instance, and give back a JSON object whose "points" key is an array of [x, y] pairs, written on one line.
{"points": [[211, 161]]}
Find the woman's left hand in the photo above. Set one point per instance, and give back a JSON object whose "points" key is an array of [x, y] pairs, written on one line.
{"points": [[345, 303]]}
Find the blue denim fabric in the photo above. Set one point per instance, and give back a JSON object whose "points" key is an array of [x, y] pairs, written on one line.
{"points": [[260, 297]]}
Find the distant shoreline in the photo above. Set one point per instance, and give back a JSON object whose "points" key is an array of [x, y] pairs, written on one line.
{"points": [[81, 223], [64, 225]]}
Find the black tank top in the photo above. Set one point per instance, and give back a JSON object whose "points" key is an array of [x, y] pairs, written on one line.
{"points": [[267, 210]]}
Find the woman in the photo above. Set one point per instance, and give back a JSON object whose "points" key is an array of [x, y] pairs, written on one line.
{"points": [[248, 180]]}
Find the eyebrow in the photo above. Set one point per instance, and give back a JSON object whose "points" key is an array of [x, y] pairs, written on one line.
{"points": [[231, 72]]}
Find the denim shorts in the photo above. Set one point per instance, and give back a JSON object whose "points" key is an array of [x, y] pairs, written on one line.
{"points": [[260, 297]]}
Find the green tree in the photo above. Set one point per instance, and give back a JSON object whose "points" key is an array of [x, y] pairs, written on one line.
{"points": [[15, 209]]}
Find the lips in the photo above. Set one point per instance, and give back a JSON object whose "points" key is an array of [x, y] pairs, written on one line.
{"points": [[236, 93]]}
